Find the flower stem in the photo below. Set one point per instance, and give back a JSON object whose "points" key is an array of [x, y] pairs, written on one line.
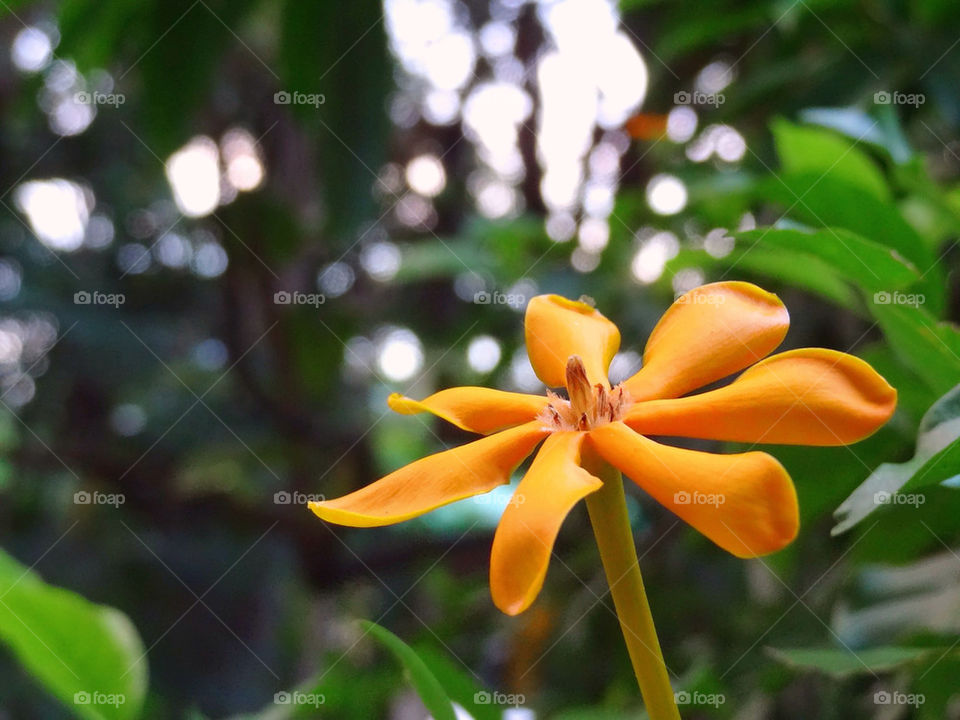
{"points": [[611, 526]]}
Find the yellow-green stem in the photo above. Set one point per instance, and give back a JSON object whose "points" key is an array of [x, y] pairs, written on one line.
{"points": [[611, 526]]}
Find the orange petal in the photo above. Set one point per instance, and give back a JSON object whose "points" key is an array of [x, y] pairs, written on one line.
{"points": [[647, 126], [524, 539], [800, 397], [557, 328], [435, 480], [709, 333], [745, 503], [477, 409]]}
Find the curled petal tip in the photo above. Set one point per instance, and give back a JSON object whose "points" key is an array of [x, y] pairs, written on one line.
{"points": [[402, 404]]}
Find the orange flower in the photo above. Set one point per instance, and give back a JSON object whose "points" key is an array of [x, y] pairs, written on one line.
{"points": [[743, 502]]}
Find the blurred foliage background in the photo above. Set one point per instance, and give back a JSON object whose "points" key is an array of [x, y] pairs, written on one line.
{"points": [[230, 229]]}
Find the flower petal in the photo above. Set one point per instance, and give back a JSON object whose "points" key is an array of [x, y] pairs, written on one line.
{"points": [[557, 328], [477, 409], [810, 396], [745, 503], [524, 539], [435, 480], [709, 333]]}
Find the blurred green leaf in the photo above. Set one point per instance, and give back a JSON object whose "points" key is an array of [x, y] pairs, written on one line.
{"points": [[340, 52], [840, 662], [86, 655], [864, 262], [826, 201], [429, 689], [787, 267]]}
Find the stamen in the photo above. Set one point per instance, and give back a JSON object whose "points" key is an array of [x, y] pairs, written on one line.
{"points": [[578, 386], [588, 406]]}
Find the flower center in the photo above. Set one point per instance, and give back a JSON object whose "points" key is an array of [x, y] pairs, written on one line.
{"points": [[588, 407]]}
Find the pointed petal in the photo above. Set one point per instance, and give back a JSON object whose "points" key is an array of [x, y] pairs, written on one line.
{"points": [[477, 409], [745, 503], [810, 396], [524, 539], [435, 480], [557, 328], [709, 333]]}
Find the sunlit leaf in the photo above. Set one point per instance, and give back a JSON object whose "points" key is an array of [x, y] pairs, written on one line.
{"points": [[88, 656], [805, 149]]}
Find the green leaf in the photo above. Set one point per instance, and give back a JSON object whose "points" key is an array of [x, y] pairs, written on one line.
{"points": [[461, 687], [77, 649], [815, 150], [827, 201], [937, 459], [839, 662], [868, 264], [787, 267], [429, 689], [928, 347]]}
